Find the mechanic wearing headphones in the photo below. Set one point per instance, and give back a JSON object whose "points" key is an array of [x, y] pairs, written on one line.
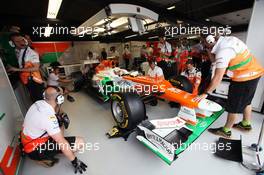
{"points": [[42, 137], [28, 69], [231, 56], [193, 74], [155, 71]]}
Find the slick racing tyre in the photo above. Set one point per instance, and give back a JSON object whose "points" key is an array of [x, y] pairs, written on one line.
{"points": [[181, 82], [128, 110]]}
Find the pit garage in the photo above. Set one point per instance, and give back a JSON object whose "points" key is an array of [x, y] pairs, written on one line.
{"points": [[131, 87]]}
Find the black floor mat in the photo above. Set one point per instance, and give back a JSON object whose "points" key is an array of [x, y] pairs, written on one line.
{"points": [[229, 149]]}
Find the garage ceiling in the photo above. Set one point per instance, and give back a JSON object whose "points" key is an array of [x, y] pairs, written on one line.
{"points": [[27, 13], [164, 3], [239, 17]]}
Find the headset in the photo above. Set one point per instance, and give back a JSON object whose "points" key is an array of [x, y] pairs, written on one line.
{"points": [[62, 118], [210, 39], [12, 44], [59, 98]]}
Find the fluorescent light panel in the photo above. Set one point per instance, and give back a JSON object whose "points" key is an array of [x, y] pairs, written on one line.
{"points": [[99, 29], [171, 7], [179, 21], [130, 36], [114, 31], [153, 26], [102, 21], [118, 22], [193, 37], [153, 37], [53, 8], [147, 21]]}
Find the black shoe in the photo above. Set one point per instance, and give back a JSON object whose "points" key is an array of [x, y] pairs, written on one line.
{"points": [[70, 98], [242, 127], [220, 131]]}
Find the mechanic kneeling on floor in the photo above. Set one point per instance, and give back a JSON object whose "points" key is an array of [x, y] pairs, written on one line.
{"points": [[42, 137], [233, 58]]}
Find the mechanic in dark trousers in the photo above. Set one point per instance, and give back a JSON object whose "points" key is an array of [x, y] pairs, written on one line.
{"points": [[42, 137], [28, 69], [231, 56]]}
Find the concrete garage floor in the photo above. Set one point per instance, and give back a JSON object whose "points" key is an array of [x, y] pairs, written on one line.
{"points": [[92, 119]]}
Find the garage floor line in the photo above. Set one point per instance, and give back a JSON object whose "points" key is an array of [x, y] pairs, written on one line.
{"points": [[92, 120]]}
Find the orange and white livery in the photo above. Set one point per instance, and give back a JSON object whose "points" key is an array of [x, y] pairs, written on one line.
{"points": [[189, 107], [232, 54]]}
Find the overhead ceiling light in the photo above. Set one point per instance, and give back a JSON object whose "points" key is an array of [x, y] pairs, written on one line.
{"points": [[47, 31], [94, 36], [114, 31], [109, 33], [157, 25], [53, 9], [193, 37], [179, 21], [99, 29], [207, 19], [119, 22], [102, 21], [171, 7], [130, 36], [147, 21], [153, 37]]}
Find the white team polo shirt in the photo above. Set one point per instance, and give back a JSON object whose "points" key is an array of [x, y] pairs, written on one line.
{"points": [[39, 119], [225, 49], [165, 48], [157, 71], [30, 56]]}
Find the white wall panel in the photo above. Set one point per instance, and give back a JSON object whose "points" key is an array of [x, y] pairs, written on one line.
{"points": [[9, 106], [255, 42]]}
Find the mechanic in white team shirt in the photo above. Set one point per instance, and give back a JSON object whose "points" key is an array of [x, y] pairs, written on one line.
{"points": [[42, 137], [155, 71], [165, 47], [54, 80], [231, 56]]}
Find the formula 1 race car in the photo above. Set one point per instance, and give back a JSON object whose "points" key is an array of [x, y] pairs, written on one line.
{"points": [[165, 136], [168, 137]]}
